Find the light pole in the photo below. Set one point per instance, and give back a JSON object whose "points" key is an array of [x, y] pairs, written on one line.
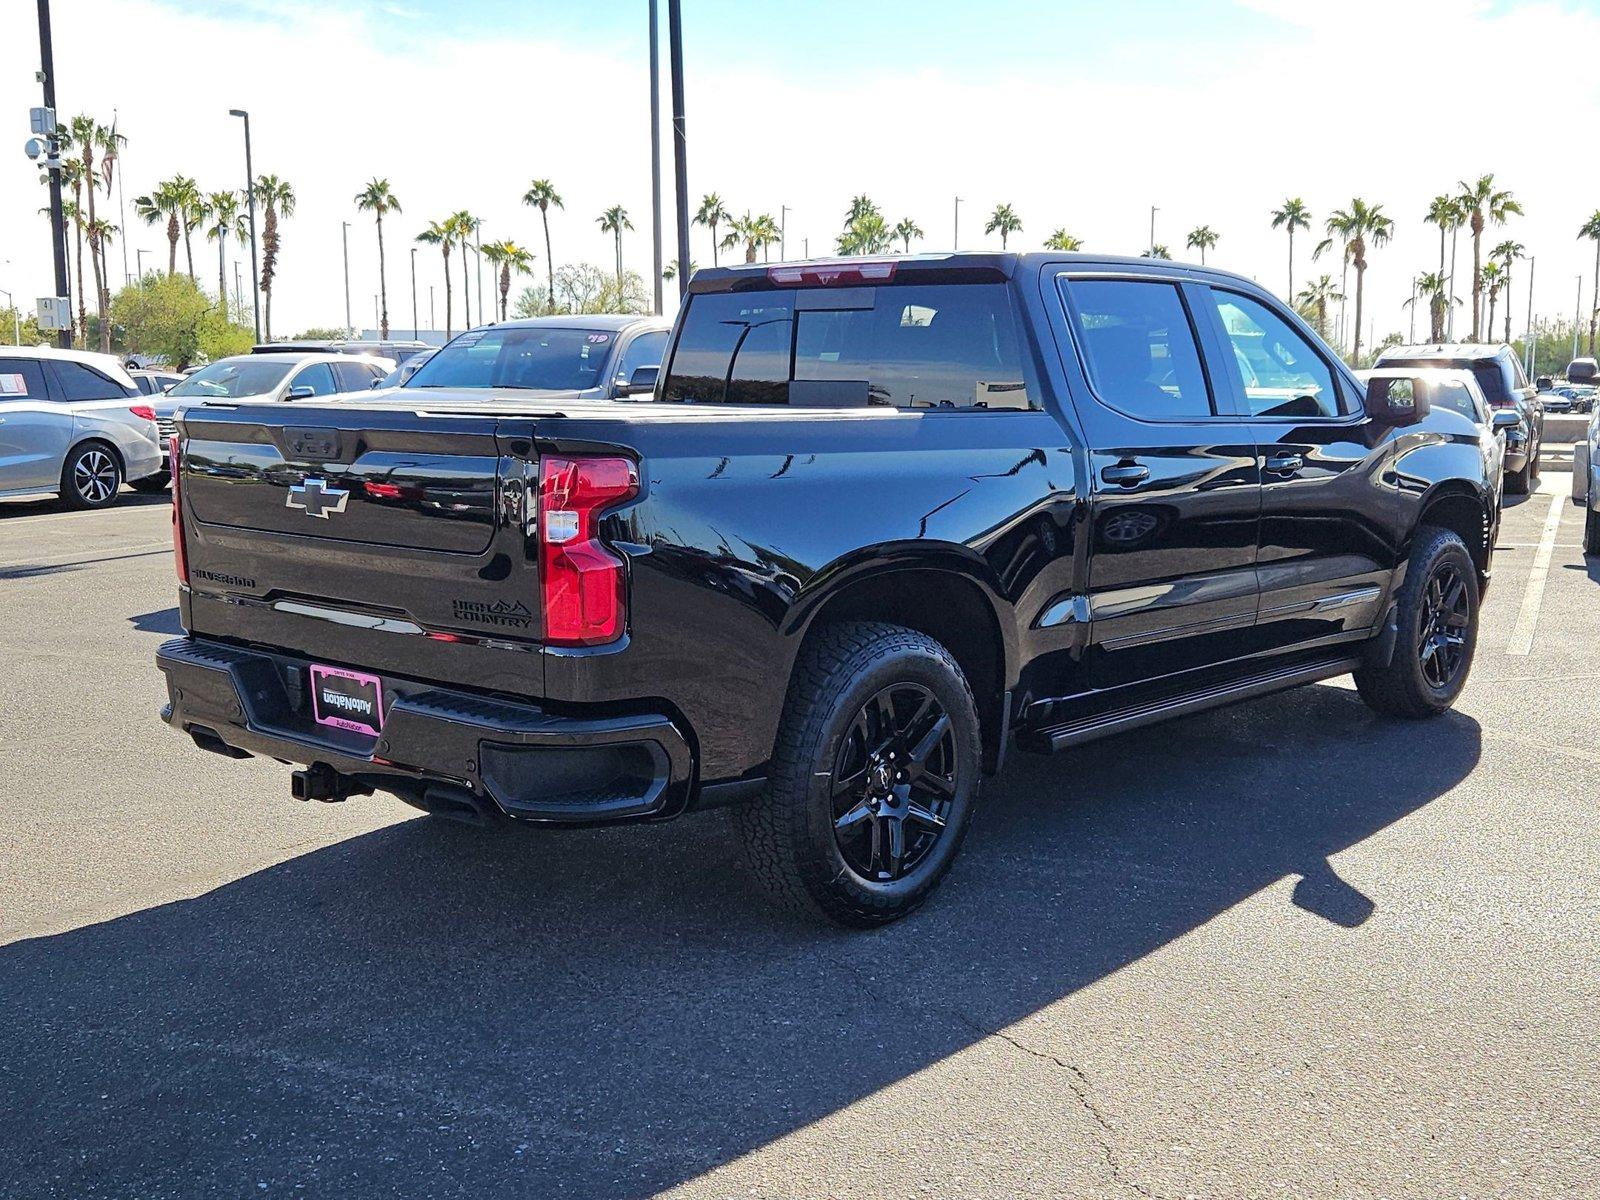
{"points": [[16, 316], [477, 249], [414, 325], [955, 236], [238, 289], [58, 221], [432, 324], [680, 140], [344, 233], [250, 194], [1412, 338], [1529, 346], [1577, 315], [783, 233], [138, 256], [655, 151], [1153, 211]]}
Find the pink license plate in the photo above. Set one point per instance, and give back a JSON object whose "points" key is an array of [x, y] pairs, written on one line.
{"points": [[347, 699]]}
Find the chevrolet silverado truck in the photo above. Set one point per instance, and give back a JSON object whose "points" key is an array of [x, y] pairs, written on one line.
{"points": [[879, 521]]}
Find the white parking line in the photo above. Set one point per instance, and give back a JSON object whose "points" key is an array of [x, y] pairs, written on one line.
{"points": [[1533, 595]]}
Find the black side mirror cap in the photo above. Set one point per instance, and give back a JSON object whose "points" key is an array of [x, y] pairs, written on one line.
{"points": [[1396, 401], [641, 381]]}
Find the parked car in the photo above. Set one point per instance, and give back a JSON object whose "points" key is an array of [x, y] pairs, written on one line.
{"points": [[72, 424], [1583, 395], [1499, 373], [589, 357], [398, 351], [1586, 483], [883, 519], [153, 383]]}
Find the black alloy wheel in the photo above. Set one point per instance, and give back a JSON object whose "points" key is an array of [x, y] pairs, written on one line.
{"points": [[894, 779], [1445, 615]]}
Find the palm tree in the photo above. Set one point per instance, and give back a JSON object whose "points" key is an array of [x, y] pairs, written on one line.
{"points": [[101, 233], [1062, 240], [1358, 226], [613, 221], [223, 213], [72, 210], [463, 225], [1506, 253], [670, 271], [712, 213], [867, 233], [158, 207], [378, 199], [541, 194], [509, 257], [764, 233], [1291, 216], [1591, 229], [442, 234], [1434, 285], [906, 230], [191, 212], [861, 206], [1005, 222], [1156, 251], [81, 134], [278, 199], [1202, 239], [1481, 204], [1444, 212], [1313, 301], [1492, 278]]}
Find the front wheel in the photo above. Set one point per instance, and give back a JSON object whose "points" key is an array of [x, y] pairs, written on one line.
{"points": [[874, 776], [91, 477], [153, 485], [1437, 615]]}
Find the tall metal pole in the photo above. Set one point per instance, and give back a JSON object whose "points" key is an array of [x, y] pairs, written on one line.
{"points": [[344, 233], [250, 194], [1577, 315], [477, 249], [414, 325], [1412, 338], [432, 324], [16, 315], [1528, 348], [58, 223], [138, 258], [655, 152], [1153, 211], [238, 289], [680, 142], [955, 237], [783, 233], [122, 207]]}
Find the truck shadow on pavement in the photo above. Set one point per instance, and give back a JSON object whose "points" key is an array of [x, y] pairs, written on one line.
{"points": [[432, 1010]]}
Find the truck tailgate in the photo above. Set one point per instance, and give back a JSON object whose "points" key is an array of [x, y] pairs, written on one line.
{"points": [[370, 537]]}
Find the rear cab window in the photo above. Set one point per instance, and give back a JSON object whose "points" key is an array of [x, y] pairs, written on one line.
{"points": [[944, 346]]}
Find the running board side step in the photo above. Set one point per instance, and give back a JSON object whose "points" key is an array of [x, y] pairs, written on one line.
{"points": [[1075, 733]]}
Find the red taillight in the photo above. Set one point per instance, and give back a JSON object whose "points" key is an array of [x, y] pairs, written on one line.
{"points": [[835, 273], [179, 558], [584, 581], [142, 411]]}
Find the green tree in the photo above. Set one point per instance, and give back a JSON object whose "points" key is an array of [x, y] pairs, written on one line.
{"points": [[1507, 253], [509, 257], [224, 220], [712, 213], [1313, 301], [1359, 226], [72, 210], [670, 271], [84, 135], [221, 338], [1491, 279], [1062, 240], [542, 195], [613, 221], [1291, 215], [19, 328], [1482, 205], [162, 317], [1444, 212], [1434, 287], [462, 226], [1004, 221], [161, 206], [1202, 239], [905, 231], [277, 196], [442, 234], [866, 233], [1591, 229], [378, 199], [1156, 251]]}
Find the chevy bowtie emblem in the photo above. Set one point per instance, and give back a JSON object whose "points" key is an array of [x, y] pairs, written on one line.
{"points": [[316, 498]]}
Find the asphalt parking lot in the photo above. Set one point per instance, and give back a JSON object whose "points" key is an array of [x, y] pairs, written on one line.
{"points": [[1283, 950]]}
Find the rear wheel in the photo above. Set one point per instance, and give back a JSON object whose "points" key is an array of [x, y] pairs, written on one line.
{"points": [[1518, 482], [1591, 532], [1437, 615], [91, 476], [874, 777]]}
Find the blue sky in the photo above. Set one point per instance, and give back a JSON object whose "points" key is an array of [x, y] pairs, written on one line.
{"points": [[1080, 115]]}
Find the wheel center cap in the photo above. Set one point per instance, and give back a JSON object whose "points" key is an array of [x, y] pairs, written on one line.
{"points": [[880, 777]]}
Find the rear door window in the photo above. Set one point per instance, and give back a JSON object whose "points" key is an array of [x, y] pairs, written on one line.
{"points": [[1139, 347], [78, 382], [318, 377], [1276, 368], [353, 377]]}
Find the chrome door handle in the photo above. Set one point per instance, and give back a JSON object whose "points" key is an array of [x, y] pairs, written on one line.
{"points": [[1285, 464], [1125, 474]]}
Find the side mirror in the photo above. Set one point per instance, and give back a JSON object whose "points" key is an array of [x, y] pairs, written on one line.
{"points": [[643, 380], [1505, 420], [1397, 402], [375, 384], [303, 392]]}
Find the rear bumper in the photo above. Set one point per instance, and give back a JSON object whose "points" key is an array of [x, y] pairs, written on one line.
{"points": [[439, 747]]}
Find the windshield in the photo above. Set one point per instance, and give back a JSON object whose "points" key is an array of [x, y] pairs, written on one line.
{"points": [[540, 359], [234, 378]]}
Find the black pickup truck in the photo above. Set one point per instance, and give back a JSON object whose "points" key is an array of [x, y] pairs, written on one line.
{"points": [[880, 520]]}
